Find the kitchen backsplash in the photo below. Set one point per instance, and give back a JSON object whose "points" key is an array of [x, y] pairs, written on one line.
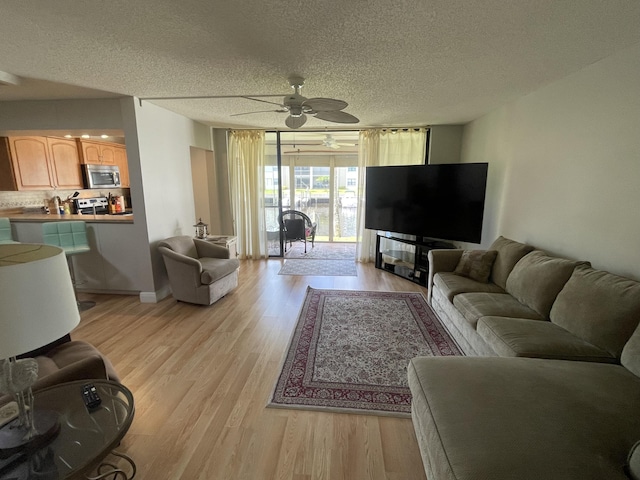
{"points": [[37, 198]]}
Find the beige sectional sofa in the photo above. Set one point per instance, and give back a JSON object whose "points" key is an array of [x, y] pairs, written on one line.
{"points": [[568, 407]]}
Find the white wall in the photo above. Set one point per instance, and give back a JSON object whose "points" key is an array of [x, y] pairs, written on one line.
{"points": [[164, 140], [564, 165], [102, 114], [445, 142]]}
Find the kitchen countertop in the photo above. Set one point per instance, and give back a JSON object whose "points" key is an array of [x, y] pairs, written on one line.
{"points": [[41, 217]]}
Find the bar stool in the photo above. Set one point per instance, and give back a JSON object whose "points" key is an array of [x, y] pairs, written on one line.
{"points": [[5, 231], [72, 238]]}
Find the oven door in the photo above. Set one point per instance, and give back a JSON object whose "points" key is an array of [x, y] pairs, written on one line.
{"points": [[102, 176]]}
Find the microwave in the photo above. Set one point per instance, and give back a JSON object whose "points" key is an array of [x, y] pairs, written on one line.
{"points": [[101, 176]]}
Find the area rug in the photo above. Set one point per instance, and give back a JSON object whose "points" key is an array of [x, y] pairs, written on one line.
{"points": [[350, 350], [296, 266], [330, 251]]}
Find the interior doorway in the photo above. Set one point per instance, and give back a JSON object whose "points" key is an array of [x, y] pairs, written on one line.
{"points": [[315, 173]]}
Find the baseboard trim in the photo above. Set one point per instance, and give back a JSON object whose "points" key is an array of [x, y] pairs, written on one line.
{"points": [[155, 297]]}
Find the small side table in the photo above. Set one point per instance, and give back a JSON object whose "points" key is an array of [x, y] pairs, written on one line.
{"points": [[226, 241], [86, 437]]}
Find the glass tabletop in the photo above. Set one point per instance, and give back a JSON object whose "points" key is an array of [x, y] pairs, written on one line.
{"points": [[85, 437]]}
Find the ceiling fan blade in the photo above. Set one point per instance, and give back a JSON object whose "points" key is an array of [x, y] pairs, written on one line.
{"points": [[259, 111], [324, 104], [337, 117], [204, 97], [263, 101], [295, 122]]}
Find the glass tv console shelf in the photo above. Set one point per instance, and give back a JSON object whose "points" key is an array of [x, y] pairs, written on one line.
{"points": [[405, 257]]}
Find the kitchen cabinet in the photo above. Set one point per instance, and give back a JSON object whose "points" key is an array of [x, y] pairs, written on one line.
{"points": [[120, 158], [66, 163], [97, 153], [39, 163], [103, 153]]}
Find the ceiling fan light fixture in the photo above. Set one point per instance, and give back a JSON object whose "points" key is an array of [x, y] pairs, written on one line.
{"points": [[295, 111], [295, 122]]}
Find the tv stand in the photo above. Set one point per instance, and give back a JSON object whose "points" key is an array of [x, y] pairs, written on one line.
{"points": [[407, 258]]}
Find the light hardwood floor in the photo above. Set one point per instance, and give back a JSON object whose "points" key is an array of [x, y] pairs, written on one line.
{"points": [[201, 377]]}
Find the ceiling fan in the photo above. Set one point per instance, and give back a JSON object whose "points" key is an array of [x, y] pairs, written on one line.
{"points": [[298, 107], [330, 142]]}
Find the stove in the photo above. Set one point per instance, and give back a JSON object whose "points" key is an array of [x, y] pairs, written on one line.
{"points": [[86, 206]]}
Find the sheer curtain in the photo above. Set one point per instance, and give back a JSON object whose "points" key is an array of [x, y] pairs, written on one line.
{"points": [[246, 178], [382, 147]]}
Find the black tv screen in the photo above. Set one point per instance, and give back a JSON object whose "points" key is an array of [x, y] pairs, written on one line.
{"points": [[443, 201]]}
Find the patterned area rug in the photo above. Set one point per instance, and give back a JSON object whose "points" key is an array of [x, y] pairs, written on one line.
{"points": [[332, 251], [295, 266], [350, 350]]}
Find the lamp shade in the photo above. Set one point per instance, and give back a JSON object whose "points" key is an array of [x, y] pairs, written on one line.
{"points": [[37, 301]]}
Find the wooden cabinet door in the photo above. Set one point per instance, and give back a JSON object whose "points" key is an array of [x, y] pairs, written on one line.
{"points": [[120, 157], [107, 155], [31, 163], [65, 162], [90, 153], [7, 180]]}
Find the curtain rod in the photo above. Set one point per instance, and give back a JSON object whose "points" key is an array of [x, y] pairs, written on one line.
{"points": [[405, 129]]}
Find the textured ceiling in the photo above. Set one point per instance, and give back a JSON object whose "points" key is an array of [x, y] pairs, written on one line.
{"points": [[397, 63]]}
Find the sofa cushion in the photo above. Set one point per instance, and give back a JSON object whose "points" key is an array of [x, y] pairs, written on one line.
{"points": [[537, 279], [519, 337], [476, 264], [599, 307], [451, 285], [215, 268], [509, 252], [474, 305], [525, 419]]}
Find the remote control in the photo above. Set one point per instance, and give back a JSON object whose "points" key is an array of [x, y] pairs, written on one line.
{"points": [[90, 396]]}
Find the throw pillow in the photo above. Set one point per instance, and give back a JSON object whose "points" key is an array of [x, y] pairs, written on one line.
{"points": [[476, 264]]}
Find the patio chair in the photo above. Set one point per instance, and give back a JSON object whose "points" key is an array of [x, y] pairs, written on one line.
{"points": [[297, 226]]}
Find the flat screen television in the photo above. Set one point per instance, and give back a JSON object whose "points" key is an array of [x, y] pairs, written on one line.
{"points": [[444, 201]]}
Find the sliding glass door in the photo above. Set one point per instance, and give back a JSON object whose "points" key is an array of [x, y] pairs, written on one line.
{"points": [[317, 177]]}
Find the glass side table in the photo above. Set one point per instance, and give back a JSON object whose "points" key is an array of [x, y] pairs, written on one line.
{"points": [[85, 439]]}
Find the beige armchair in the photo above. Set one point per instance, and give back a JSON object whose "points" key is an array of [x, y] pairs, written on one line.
{"points": [[199, 271]]}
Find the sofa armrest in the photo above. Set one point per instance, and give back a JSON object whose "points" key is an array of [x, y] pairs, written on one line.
{"points": [[86, 368], [211, 250], [441, 261], [70, 361]]}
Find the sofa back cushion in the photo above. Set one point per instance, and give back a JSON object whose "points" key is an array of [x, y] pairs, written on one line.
{"points": [[509, 253], [600, 308], [182, 244], [537, 279]]}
